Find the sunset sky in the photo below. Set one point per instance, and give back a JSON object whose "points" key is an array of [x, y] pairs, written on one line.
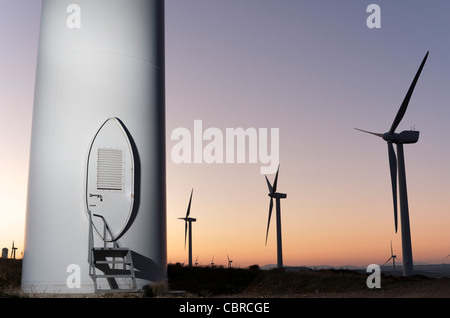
{"points": [[315, 71]]}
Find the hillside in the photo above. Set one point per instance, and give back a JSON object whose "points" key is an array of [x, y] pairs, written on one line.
{"points": [[336, 283]]}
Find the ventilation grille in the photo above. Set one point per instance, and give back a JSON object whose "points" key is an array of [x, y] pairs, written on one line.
{"points": [[110, 169]]}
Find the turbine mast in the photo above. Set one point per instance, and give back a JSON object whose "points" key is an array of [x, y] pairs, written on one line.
{"points": [[408, 268]]}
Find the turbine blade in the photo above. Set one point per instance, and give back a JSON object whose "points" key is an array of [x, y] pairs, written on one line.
{"points": [[274, 189], [189, 205], [268, 221], [392, 252], [387, 261], [404, 106], [393, 167], [269, 185], [372, 133]]}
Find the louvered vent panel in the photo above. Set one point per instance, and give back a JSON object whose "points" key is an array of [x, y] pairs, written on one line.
{"points": [[110, 169]]}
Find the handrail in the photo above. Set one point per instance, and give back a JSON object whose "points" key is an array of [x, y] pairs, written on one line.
{"points": [[106, 228], [91, 242]]}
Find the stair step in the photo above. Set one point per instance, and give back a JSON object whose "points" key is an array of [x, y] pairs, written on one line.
{"points": [[113, 262], [112, 271], [111, 249], [111, 252], [118, 290], [115, 276]]}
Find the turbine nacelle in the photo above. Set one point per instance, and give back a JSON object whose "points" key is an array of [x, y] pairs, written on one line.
{"points": [[188, 219], [405, 137], [278, 195]]}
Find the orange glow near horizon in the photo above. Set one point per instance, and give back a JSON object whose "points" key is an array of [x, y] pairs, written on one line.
{"points": [[342, 229]]}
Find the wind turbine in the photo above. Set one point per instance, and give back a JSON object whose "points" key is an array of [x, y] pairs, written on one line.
{"points": [[405, 137], [273, 194], [393, 257], [229, 261], [188, 224], [212, 261], [13, 251]]}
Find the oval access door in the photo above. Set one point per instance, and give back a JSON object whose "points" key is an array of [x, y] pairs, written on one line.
{"points": [[110, 180]]}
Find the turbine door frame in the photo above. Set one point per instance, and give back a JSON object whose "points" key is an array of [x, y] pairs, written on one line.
{"points": [[132, 163]]}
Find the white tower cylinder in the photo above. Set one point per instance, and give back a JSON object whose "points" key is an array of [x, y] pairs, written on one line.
{"points": [[98, 59], [4, 252]]}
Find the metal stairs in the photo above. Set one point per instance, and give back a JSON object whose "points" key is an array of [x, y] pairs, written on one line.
{"points": [[111, 268]]}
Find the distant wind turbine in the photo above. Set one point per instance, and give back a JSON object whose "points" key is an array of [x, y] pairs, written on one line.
{"points": [[274, 194], [188, 224], [229, 261], [405, 137], [13, 251], [212, 261], [393, 257]]}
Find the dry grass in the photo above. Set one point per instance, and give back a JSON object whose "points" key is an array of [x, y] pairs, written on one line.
{"points": [[10, 274]]}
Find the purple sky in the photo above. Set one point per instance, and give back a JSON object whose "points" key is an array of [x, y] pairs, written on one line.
{"points": [[314, 70]]}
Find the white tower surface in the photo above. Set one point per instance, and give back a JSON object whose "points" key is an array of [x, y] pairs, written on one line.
{"points": [[98, 59]]}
